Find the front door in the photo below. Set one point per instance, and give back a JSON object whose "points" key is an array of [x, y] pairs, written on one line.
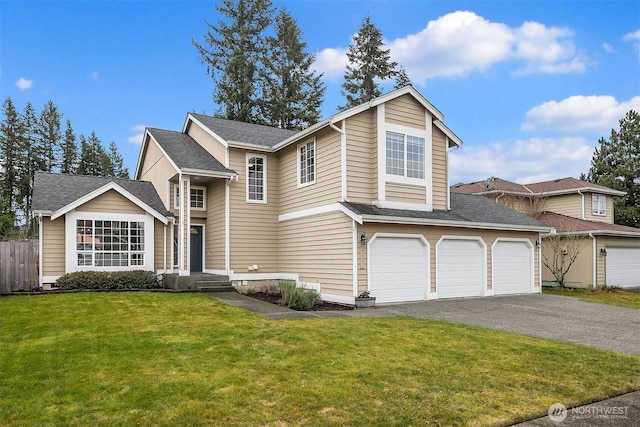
{"points": [[195, 263]]}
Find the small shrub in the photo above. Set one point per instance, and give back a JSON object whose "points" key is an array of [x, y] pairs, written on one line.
{"points": [[297, 298], [100, 280]]}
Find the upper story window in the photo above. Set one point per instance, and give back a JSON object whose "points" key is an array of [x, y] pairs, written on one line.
{"points": [[598, 204], [405, 155], [306, 163], [197, 200], [256, 179]]}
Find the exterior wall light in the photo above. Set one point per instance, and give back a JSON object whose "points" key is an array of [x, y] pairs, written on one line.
{"points": [[603, 251], [363, 239]]}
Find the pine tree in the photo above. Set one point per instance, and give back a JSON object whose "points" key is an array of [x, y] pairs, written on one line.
{"points": [[68, 163], [234, 52], [7, 219], [31, 161], [402, 79], [115, 163], [50, 136], [616, 164], [11, 153], [293, 94], [368, 62]]}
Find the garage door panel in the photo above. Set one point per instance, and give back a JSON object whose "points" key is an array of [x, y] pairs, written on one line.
{"points": [[512, 267], [460, 268], [623, 267], [398, 269]]}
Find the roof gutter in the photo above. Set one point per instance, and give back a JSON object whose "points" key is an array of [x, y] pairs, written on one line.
{"points": [[446, 223]]}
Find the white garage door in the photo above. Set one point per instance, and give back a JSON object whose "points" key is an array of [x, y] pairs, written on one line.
{"points": [[512, 267], [623, 267], [461, 268], [398, 269]]}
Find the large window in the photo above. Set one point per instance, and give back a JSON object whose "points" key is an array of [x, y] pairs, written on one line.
{"points": [[256, 179], [405, 155], [104, 243], [197, 200], [307, 163], [599, 204]]}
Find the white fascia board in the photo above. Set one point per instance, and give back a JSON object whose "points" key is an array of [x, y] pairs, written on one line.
{"points": [[191, 118], [143, 148], [164, 153], [212, 174], [302, 134], [319, 210], [609, 191], [437, 114], [460, 224], [97, 192], [597, 233], [248, 145], [448, 132]]}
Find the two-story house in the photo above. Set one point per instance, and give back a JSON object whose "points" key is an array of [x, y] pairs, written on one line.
{"points": [[609, 254], [359, 201]]}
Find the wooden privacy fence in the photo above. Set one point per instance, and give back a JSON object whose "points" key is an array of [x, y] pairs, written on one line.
{"points": [[18, 266]]}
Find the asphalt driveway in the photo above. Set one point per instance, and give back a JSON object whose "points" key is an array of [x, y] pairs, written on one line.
{"points": [[546, 316]]}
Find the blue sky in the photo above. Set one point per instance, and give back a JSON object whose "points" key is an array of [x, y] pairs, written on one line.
{"points": [[529, 86]]}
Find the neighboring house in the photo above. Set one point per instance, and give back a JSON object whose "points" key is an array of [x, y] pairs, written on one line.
{"points": [[96, 223], [357, 202], [609, 253]]}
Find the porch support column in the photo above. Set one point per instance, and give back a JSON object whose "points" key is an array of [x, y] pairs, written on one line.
{"points": [[184, 235], [227, 224]]}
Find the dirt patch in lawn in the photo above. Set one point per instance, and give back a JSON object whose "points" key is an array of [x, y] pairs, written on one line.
{"points": [[318, 306]]}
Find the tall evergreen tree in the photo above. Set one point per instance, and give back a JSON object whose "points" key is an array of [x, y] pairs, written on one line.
{"points": [[31, 161], [616, 164], [11, 153], [69, 160], [402, 78], [234, 52], [368, 62], [50, 136], [292, 94], [7, 218], [115, 162]]}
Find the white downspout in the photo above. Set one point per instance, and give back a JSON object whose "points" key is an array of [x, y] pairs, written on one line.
{"points": [[164, 250], [582, 194], [343, 156], [40, 255], [595, 260], [354, 227]]}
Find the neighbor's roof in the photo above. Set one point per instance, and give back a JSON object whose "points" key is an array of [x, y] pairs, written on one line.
{"points": [[570, 185], [53, 192], [545, 188], [186, 153], [571, 225], [491, 185], [466, 211], [240, 132]]}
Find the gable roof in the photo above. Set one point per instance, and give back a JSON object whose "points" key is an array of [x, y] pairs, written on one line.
{"points": [[570, 225], [186, 154], [570, 185], [466, 211], [491, 185], [55, 194], [240, 133]]}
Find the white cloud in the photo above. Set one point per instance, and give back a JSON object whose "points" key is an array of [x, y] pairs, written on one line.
{"points": [[633, 37], [523, 161], [139, 134], [24, 84], [461, 42], [579, 114], [608, 47]]}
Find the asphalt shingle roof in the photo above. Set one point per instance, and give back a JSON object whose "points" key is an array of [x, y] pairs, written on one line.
{"points": [[568, 224], [54, 191], [185, 152], [464, 208], [250, 133]]}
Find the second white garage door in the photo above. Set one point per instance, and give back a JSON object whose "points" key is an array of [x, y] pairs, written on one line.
{"points": [[623, 267], [461, 270], [398, 269], [512, 267]]}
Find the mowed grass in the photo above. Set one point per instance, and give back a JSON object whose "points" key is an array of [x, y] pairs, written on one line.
{"points": [[612, 296], [187, 359]]}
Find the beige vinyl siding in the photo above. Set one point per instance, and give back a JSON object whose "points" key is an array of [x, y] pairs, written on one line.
{"points": [[362, 157], [208, 142], [433, 234], [320, 249], [601, 260], [253, 226], [588, 209], [405, 193], [405, 111], [214, 237], [53, 246], [568, 204], [440, 186], [111, 202], [581, 272], [328, 186], [159, 249], [158, 170]]}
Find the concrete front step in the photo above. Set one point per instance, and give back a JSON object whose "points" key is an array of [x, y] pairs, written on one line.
{"points": [[198, 281], [214, 286]]}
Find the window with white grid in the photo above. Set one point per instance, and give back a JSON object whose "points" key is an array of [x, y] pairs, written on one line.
{"points": [[256, 179], [307, 163], [405, 155], [106, 243]]}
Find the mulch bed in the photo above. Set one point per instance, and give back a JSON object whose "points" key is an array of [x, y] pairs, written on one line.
{"points": [[318, 306]]}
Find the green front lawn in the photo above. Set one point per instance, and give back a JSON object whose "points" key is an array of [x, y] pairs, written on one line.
{"points": [[187, 359], [612, 296]]}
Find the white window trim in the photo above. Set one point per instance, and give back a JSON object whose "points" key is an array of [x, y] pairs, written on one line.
{"points": [[71, 256], [405, 131], [315, 163], [176, 189], [264, 179], [596, 211]]}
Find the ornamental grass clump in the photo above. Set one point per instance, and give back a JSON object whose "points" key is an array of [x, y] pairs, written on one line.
{"points": [[295, 298]]}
